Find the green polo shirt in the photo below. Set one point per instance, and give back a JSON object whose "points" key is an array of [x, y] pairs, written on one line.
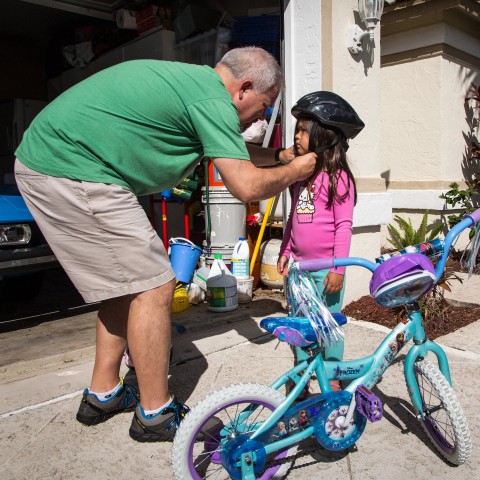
{"points": [[141, 124]]}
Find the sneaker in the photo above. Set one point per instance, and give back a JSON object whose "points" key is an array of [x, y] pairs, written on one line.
{"points": [[93, 411], [160, 427], [130, 377]]}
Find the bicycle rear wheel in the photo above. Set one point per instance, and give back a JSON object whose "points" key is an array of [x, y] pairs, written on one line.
{"points": [[444, 421], [221, 416]]}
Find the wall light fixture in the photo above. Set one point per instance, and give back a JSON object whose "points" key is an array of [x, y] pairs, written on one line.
{"points": [[370, 12]]}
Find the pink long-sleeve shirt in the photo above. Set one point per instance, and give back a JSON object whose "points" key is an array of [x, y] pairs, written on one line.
{"points": [[312, 231]]}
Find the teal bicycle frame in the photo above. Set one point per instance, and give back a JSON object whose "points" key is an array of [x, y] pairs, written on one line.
{"points": [[367, 370]]}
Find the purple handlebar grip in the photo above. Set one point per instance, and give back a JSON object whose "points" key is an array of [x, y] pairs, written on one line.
{"points": [[316, 264], [475, 216]]}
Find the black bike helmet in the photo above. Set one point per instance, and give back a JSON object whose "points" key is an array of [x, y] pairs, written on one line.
{"points": [[331, 111]]}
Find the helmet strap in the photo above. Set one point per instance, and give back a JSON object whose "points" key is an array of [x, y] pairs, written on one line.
{"points": [[328, 147], [311, 144]]}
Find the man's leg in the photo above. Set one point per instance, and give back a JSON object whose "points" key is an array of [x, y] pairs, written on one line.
{"points": [[149, 340], [107, 396], [111, 342]]}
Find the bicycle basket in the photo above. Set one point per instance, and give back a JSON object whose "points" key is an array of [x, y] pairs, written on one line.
{"points": [[402, 279]]}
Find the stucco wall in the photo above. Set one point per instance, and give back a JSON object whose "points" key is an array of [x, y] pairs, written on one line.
{"points": [[423, 121], [457, 78], [411, 114]]}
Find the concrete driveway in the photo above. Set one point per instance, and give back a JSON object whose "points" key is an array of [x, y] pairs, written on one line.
{"points": [[44, 368]]}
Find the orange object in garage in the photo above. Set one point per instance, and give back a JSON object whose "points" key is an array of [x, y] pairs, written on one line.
{"points": [[214, 178]]}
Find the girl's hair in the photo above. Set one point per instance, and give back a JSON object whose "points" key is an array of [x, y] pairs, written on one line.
{"points": [[331, 161], [255, 64]]}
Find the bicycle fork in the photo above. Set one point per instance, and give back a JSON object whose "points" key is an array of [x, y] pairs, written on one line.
{"points": [[419, 351]]}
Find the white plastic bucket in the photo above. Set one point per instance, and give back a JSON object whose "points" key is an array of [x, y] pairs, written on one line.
{"points": [[225, 250], [227, 216], [245, 290]]}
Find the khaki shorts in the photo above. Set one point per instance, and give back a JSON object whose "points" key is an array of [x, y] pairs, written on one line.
{"points": [[99, 233]]}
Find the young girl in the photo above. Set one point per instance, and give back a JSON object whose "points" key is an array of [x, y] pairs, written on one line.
{"points": [[320, 222]]}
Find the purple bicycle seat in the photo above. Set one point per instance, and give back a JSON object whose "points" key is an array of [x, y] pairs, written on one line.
{"points": [[296, 331]]}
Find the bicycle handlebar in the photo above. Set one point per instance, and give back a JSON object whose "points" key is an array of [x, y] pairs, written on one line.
{"points": [[475, 216], [469, 220], [324, 263]]}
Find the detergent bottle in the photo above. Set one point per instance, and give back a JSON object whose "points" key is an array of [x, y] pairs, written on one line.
{"points": [[221, 287], [240, 261]]}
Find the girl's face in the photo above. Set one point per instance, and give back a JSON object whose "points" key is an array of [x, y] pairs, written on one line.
{"points": [[302, 137]]}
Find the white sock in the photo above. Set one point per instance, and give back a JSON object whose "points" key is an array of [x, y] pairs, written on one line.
{"points": [[151, 413], [106, 395]]}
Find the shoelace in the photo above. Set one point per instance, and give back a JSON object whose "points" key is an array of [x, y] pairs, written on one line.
{"points": [[131, 393], [179, 411]]}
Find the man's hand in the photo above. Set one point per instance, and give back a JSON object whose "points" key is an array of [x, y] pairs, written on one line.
{"points": [[287, 155], [333, 283], [305, 165]]}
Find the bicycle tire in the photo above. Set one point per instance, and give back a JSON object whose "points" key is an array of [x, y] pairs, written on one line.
{"points": [[445, 423], [203, 424]]}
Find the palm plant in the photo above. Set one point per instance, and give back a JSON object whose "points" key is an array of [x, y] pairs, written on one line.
{"points": [[406, 235]]}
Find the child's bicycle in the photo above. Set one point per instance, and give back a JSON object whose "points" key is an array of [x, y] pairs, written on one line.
{"points": [[250, 431]]}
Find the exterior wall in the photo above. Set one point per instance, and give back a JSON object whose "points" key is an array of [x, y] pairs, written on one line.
{"points": [[423, 143], [412, 116], [457, 78], [430, 57]]}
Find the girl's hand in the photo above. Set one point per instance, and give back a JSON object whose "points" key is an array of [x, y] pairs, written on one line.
{"points": [[282, 265], [333, 283]]}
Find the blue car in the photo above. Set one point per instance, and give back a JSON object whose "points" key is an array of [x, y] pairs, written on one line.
{"points": [[24, 253]]}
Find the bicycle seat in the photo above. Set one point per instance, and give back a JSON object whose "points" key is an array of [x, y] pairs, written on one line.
{"points": [[296, 331]]}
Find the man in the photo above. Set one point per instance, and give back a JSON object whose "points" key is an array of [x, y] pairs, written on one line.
{"points": [[134, 129]]}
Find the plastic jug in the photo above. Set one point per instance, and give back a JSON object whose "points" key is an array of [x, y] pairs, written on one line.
{"points": [[240, 261], [221, 287], [200, 277]]}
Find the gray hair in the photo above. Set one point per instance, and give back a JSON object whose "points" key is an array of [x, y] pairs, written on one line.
{"points": [[256, 64]]}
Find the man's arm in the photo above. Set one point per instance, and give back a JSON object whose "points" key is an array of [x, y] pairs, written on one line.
{"points": [[268, 157], [247, 182]]}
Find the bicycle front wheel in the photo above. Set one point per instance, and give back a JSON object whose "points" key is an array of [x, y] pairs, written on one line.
{"points": [[221, 416], [444, 421]]}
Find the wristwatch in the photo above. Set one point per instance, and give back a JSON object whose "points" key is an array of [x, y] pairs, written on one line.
{"points": [[277, 156]]}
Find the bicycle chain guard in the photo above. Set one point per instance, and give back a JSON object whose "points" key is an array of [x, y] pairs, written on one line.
{"points": [[328, 428]]}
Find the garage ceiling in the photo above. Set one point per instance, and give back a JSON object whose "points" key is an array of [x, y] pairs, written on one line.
{"points": [[39, 20]]}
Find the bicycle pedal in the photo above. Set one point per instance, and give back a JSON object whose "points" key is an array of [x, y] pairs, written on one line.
{"points": [[368, 404]]}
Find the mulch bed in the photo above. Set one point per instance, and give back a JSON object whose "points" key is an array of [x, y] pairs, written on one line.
{"points": [[435, 326]]}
